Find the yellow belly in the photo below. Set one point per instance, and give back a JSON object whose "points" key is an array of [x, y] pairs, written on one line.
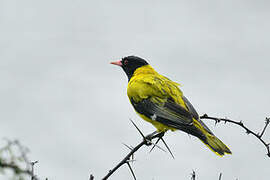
{"points": [[160, 127]]}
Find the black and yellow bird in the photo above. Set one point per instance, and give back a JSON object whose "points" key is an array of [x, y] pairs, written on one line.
{"points": [[159, 101]]}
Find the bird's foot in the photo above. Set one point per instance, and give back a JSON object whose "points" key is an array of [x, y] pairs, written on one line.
{"points": [[153, 135]]}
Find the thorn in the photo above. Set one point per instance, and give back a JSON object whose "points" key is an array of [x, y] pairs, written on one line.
{"points": [[131, 171], [160, 148], [167, 147], [267, 120], [154, 145], [205, 116], [132, 160], [34, 162], [138, 129], [129, 147], [159, 135]]}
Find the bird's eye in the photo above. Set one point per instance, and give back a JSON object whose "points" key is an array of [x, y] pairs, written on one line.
{"points": [[125, 62]]}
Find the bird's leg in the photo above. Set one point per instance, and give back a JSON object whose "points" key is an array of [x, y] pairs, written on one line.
{"points": [[153, 135], [149, 137]]}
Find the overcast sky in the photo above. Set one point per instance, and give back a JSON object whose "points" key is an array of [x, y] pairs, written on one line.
{"points": [[60, 96]]}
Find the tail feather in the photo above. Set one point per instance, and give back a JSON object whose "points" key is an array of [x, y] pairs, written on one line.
{"points": [[216, 145], [210, 140]]}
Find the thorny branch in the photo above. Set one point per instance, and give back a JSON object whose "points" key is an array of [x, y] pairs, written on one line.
{"points": [[248, 131], [147, 140]]}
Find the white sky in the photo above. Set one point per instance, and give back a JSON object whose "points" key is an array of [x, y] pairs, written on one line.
{"points": [[61, 97]]}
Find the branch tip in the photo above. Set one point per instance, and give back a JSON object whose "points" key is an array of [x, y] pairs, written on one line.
{"points": [[248, 131], [193, 175], [91, 177]]}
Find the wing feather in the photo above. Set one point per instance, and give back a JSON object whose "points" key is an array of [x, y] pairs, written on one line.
{"points": [[195, 114], [168, 113]]}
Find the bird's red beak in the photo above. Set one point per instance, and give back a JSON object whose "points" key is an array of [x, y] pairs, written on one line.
{"points": [[118, 63]]}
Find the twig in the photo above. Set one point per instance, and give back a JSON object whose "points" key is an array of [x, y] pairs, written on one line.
{"points": [[248, 131], [267, 121], [193, 175], [91, 177], [15, 168], [220, 175], [33, 177]]}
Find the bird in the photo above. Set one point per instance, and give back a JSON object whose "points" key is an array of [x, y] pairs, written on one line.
{"points": [[159, 101]]}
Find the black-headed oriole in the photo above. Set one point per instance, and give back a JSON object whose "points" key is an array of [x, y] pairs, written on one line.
{"points": [[159, 101]]}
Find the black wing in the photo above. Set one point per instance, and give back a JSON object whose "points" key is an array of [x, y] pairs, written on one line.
{"points": [[195, 114], [168, 113], [190, 108]]}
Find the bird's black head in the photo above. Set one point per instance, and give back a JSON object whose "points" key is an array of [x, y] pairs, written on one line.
{"points": [[130, 64]]}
